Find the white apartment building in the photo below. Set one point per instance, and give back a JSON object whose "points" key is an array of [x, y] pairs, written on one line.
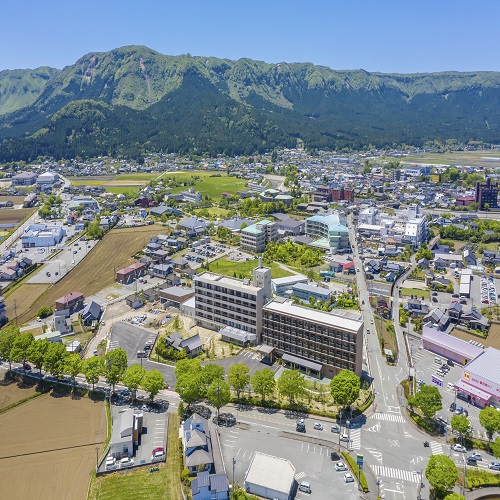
{"points": [[255, 237], [223, 301], [416, 232]]}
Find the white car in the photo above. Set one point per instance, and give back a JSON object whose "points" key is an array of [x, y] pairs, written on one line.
{"points": [[126, 462], [318, 426], [110, 463], [459, 447], [157, 455], [344, 437], [348, 478], [340, 467]]}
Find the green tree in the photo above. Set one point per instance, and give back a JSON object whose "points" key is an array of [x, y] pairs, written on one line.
{"points": [[153, 382], [344, 388], [495, 447], [43, 312], [238, 376], [55, 359], [291, 385], [188, 387], [428, 400], [263, 382], [73, 366], [209, 373], [442, 474], [7, 337], [36, 353], [184, 366], [219, 393], [132, 377], [489, 418], [94, 232], [115, 364], [454, 174], [21, 346], [454, 496], [93, 368], [461, 425]]}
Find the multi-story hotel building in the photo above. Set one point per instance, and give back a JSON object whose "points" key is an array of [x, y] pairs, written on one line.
{"points": [[222, 301], [316, 341]]}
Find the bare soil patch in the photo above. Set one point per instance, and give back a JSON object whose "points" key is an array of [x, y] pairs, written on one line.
{"points": [[12, 391], [493, 339], [49, 447], [13, 215]]}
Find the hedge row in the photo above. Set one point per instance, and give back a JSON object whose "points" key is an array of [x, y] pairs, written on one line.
{"points": [[355, 470]]}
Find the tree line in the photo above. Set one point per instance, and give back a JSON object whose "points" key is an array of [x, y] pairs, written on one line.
{"points": [[54, 359], [195, 382]]}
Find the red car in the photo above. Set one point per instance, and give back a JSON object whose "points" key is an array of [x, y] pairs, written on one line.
{"points": [[156, 450]]}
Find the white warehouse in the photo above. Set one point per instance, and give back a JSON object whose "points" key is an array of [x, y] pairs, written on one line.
{"points": [[42, 235]]}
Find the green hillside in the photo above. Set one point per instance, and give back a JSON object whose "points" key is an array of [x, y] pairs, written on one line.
{"points": [[133, 100]]}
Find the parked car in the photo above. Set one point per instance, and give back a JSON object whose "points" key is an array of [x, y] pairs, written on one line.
{"points": [[453, 407], [344, 437], [157, 455], [334, 456], [340, 467], [348, 478], [459, 410], [126, 462]]}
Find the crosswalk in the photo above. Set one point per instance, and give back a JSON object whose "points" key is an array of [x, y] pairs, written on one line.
{"points": [[251, 355], [436, 448], [404, 475], [356, 439], [300, 475], [388, 416]]}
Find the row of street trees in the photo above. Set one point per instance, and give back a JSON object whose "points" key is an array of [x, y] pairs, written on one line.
{"points": [[195, 382], [54, 359]]}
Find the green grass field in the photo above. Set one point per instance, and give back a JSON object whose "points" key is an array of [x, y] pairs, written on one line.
{"points": [[208, 185], [141, 483], [244, 268], [122, 189], [218, 212], [416, 291]]}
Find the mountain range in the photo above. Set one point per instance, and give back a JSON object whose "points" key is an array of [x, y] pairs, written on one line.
{"points": [[133, 100]]}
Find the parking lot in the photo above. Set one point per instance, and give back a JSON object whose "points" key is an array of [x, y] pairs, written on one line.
{"points": [[312, 462], [426, 367], [154, 428], [131, 338], [210, 251]]}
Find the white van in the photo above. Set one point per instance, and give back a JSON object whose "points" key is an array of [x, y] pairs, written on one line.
{"points": [[305, 487]]}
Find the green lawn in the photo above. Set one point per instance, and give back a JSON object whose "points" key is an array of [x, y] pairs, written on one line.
{"points": [[209, 185], [141, 483], [416, 291], [122, 189], [243, 268], [217, 211]]}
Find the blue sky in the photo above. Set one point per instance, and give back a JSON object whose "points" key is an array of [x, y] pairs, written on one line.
{"points": [[389, 36]]}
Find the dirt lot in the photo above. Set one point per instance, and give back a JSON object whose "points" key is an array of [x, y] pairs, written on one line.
{"points": [[49, 447], [10, 392], [14, 215], [24, 296], [95, 271], [493, 339], [17, 200]]}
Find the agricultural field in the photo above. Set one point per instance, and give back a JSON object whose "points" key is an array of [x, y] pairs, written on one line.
{"points": [[23, 297], [492, 340], [95, 272], [14, 215], [12, 391], [141, 483], [209, 183], [17, 200], [484, 158], [244, 268], [49, 447]]}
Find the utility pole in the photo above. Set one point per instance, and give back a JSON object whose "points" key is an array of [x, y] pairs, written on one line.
{"points": [[15, 310], [234, 463]]}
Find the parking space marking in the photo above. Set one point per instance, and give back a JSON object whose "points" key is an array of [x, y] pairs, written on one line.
{"points": [[300, 475]]}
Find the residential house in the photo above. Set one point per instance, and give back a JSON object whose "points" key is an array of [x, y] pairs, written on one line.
{"points": [[197, 445], [437, 318], [192, 345], [417, 308], [70, 302], [210, 487], [161, 270], [134, 301], [131, 273], [474, 320], [141, 201], [470, 258], [91, 312]]}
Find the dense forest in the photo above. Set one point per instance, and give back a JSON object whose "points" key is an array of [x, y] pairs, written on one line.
{"points": [[133, 100]]}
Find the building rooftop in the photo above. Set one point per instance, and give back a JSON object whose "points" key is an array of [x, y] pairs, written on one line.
{"points": [[271, 472], [453, 344], [486, 364], [280, 305], [245, 284]]}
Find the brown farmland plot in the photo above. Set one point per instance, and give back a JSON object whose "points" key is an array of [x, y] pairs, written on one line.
{"points": [[49, 447], [96, 270]]}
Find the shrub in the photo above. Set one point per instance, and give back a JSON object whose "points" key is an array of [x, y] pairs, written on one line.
{"points": [[355, 470], [481, 478], [44, 312]]}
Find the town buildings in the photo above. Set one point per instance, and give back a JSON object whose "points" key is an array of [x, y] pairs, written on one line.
{"points": [[24, 179], [316, 341], [223, 301], [487, 194], [254, 238], [329, 231]]}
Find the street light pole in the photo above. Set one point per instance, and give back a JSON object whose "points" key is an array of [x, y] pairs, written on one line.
{"points": [[234, 463]]}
